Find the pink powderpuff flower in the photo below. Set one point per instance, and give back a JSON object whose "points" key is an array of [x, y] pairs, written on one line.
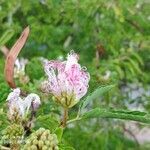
{"points": [[67, 80]]}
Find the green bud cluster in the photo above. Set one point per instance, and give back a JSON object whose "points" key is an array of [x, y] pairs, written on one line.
{"points": [[12, 133], [66, 101], [42, 139], [15, 117]]}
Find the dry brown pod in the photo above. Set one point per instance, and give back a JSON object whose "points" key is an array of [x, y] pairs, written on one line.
{"points": [[12, 56]]}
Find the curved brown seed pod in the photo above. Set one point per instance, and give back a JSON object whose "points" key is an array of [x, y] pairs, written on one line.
{"points": [[12, 56]]}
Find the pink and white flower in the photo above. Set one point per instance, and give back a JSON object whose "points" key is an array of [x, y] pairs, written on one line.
{"points": [[21, 105], [67, 80]]}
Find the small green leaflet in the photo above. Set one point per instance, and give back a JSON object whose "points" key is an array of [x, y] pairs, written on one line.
{"points": [[97, 93], [138, 58], [46, 121], [6, 37], [59, 133], [118, 114], [65, 147]]}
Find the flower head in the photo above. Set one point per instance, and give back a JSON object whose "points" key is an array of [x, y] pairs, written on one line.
{"points": [[14, 95], [20, 106], [67, 80]]}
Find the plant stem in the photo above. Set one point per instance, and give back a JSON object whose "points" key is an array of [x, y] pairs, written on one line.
{"points": [[73, 120], [65, 117]]}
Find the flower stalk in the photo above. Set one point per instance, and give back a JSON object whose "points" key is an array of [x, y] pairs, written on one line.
{"points": [[65, 118]]}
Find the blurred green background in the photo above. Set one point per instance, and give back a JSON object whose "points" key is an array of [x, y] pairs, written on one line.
{"points": [[112, 38]]}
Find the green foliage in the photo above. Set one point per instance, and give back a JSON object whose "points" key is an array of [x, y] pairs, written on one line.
{"points": [[123, 114], [4, 88], [46, 122], [96, 94], [59, 133], [66, 147], [112, 39], [3, 121], [34, 69], [6, 37], [107, 138]]}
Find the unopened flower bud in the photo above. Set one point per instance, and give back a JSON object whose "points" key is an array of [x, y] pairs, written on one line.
{"points": [[47, 143], [35, 141], [12, 133], [43, 137], [33, 147], [44, 147], [40, 143]]}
